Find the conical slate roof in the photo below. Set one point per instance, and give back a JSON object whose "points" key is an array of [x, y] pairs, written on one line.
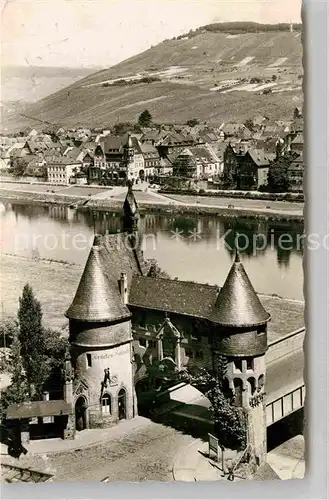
{"points": [[237, 304], [129, 143], [96, 299]]}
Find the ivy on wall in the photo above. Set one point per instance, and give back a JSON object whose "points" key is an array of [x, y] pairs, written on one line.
{"points": [[230, 421]]}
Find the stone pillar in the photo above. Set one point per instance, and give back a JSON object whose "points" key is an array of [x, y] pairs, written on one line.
{"points": [[25, 431], [45, 396], [68, 392], [178, 359], [160, 348], [69, 431], [257, 429]]}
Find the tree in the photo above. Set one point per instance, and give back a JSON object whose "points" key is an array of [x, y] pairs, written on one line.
{"points": [[8, 330], [18, 378], [229, 179], [56, 348], [18, 167], [229, 421], [193, 122], [18, 391], [145, 118], [278, 175], [31, 337], [122, 128]]}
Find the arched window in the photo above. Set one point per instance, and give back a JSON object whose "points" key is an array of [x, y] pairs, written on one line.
{"points": [[261, 382], [252, 384], [238, 387], [122, 404], [106, 403]]}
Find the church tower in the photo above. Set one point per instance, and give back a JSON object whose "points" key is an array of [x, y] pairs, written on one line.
{"points": [[240, 326], [101, 346], [129, 158]]}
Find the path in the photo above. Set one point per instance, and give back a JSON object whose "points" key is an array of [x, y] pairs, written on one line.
{"points": [[145, 453]]}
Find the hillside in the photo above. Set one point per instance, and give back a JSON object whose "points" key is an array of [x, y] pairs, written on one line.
{"points": [[208, 75], [31, 83]]}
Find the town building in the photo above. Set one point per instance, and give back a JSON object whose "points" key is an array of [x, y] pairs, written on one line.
{"points": [[246, 166], [152, 160], [296, 172], [62, 170]]}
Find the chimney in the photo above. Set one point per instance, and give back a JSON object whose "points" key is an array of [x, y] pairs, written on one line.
{"points": [[124, 287], [45, 396]]}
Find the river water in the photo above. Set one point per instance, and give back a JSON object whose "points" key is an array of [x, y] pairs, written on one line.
{"points": [[191, 248]]}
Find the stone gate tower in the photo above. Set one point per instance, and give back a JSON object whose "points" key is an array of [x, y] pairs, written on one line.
{"points": [[240, 338], [101, 346]]}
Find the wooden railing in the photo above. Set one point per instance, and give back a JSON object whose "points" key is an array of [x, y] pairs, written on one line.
{"points": [[285, 405]]}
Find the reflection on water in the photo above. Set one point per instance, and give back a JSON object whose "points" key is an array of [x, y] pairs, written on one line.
{"points": [[188, 247]]}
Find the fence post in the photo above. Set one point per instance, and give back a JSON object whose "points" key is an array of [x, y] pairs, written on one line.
{"points": [[222, 448]]}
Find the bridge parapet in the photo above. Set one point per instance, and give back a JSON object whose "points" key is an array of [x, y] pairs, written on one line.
{"points": [[285, 405], [285, 345]]}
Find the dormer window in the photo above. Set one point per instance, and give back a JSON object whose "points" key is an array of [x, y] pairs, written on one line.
{"points": [[261, 330]]}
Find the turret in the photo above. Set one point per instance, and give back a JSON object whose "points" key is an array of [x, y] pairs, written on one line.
{"points": [[240, 337], [128, 149], [100, 338]]}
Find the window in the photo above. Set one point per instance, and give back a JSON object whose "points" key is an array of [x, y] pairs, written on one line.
{"points": [[252, 385], [106, 403], [142, 342], [261, 330], [261, 382], [238, 364], [89, 360], [250, 364], [152, 344], [199, 355], [48, 420]]}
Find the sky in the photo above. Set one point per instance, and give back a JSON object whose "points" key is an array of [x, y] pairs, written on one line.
{"points": [[92, 33]]}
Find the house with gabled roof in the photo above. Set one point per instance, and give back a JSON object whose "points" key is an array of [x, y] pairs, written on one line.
{"points": [[248, 166], [296, 171]]}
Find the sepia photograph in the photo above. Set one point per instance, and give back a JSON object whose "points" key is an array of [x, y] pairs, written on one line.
{"points": [[152, 241]]}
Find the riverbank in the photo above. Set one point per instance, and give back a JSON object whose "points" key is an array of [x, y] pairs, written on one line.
{"points": [[110, 200], [63, 278]]}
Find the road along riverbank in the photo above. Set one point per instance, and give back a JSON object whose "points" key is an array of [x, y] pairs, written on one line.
{"points": [[110, 200]]}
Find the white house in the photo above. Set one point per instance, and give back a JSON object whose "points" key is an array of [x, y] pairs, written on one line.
{"points": [[62, 170]]}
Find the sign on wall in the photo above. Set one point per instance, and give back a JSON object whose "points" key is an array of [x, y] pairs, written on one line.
{"points": [[213, 446]]}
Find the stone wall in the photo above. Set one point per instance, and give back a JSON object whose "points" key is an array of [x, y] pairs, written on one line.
{"points": [[90, 367], [256, 418]]}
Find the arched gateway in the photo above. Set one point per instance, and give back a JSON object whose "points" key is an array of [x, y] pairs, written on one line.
{"points": [[81, 413]]}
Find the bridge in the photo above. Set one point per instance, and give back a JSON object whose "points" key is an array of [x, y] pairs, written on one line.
{"points": [[285, 388]]}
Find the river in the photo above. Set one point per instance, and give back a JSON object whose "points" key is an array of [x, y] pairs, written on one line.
{"points": [[194, 248]]}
